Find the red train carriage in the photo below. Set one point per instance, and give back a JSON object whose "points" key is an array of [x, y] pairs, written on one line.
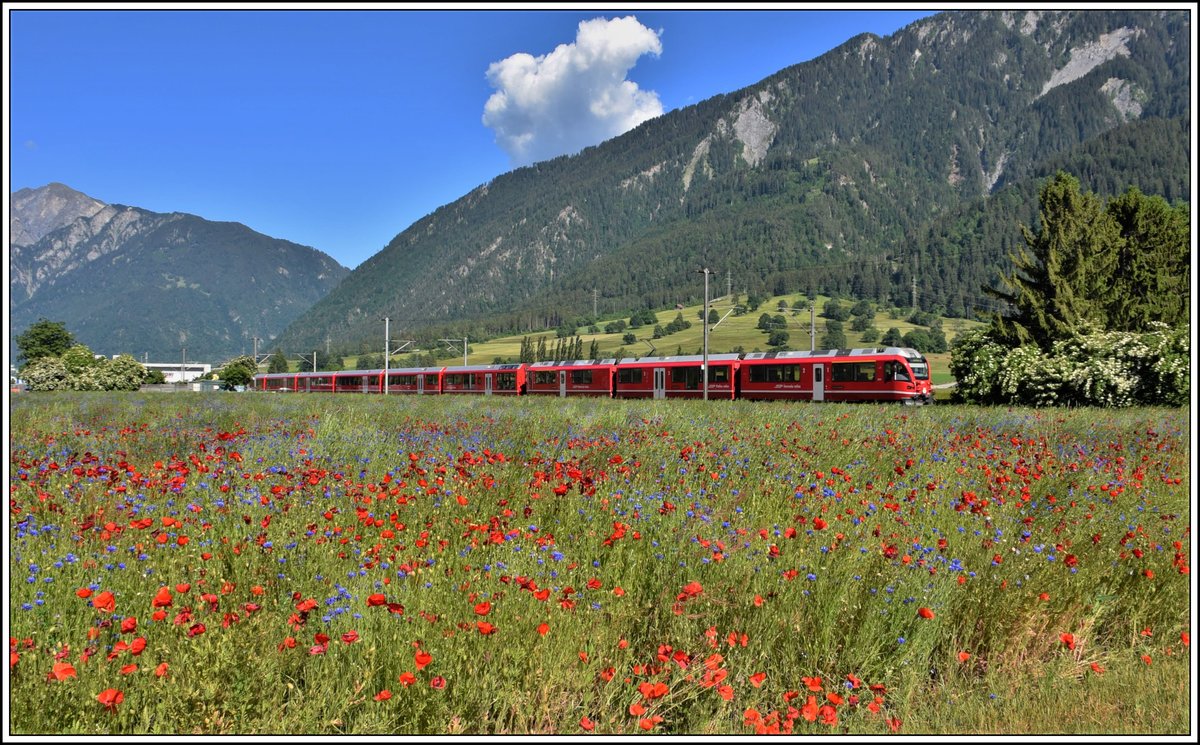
{"points": [[570, 378], [281, 382], [415, 380], [871, 374], [506, 379], [676, 377], [357, 381]]}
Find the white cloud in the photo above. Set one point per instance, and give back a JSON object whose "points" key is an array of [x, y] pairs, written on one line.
{"points": [[573, 97]]}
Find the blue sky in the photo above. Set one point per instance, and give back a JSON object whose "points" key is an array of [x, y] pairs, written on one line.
{"points": [[338, 129]]}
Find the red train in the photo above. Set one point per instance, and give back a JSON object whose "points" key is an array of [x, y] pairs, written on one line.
{"points": [[896, 374]]}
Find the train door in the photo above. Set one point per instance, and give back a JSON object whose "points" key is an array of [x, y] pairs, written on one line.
{"points": [[818, 382], [487, 384], [660, 382], [562, 383], [420, 384]]}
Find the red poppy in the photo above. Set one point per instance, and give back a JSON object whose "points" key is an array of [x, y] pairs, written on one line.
{"points": [[482, 609], [725, 691], [422, 658], [587, 724], [1146, 659], [963, 656], [1097, 669], [407, 679], [105, 602], [128, 625], [894, 724], [110, 697], [1068, 639], [350, 637], [636, 709], [924, 612], [195, 629], [383, 695], [84, 592], [62, 671], [649, 722], [128, 669], [543, 628], [377, 599], [183, 587], [814, 684], [757, 679], [161, 670], [485, 628], [163, 599], [437, 682], [137, 646]]}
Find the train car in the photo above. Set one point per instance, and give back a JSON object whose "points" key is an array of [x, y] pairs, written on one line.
{"points": [[871, 374], [412, 380], [357, 381], [571, 378], [505, 379], [278, 382], [680, 376]]}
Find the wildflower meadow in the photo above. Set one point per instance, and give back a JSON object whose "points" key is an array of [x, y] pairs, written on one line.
{"points": [[277, 563]]}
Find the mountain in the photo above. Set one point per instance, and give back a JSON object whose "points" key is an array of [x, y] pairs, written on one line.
{"points": [[825, 177], [129, 281]]}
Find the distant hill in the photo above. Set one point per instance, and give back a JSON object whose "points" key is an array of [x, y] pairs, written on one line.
{"points": [[129, 281], [885, 166]]}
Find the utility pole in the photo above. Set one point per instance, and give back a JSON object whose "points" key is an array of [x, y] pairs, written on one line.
{"points": [[447, 342], [914, 292], [812, 319], [729, 284], [387, 348], [182, 367], [704, 368], [595, 295], [256, 341]]}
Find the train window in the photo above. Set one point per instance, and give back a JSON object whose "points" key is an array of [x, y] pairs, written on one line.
{"points": [[894, 371], [775, 373], [686, 376], [853, 372], [464, 379], [431, 381], [633, 376], [544, 377], [718, 374], [506, 381], [581, 377]]}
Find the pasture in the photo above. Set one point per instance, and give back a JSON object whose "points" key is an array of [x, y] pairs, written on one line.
{"points": [[258, 564]]}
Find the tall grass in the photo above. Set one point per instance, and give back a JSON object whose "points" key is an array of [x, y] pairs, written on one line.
{"points": [[924, 565]]}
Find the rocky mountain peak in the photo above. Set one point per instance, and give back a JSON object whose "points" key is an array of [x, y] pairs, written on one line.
{"points": [[35, 213]]}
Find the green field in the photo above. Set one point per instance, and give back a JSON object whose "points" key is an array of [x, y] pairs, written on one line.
{"points": [[252, 564]]}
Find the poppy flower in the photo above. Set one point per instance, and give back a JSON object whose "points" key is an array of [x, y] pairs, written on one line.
{"points": [[649, 722], [814, 684], [587, 724], [1068, 639], [1146, 659], [383, 695], [195, 629], [636, 709], [543, 628], [161, 670], [437, 682], [183, 587], [407, 679], [894, 724], [757, 679], [162, 599], [128, 625], [62, 671], [963, 656], [350, 637], [376, 599], [129, 669], [110, 698], [422, 658], [105, 602], [1097, 669], [485, 628], [482, 609], [137, 646], [84, 592], [725, 691], [924, 612]]}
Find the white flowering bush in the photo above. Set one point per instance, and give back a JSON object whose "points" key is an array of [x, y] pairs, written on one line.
{"points": [[46, 374], [1097, 368]]}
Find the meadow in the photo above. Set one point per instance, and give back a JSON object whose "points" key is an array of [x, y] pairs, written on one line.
{"points": [[256, 563]]}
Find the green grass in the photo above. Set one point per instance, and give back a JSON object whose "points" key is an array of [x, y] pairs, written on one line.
{"points": [[813, 533]]}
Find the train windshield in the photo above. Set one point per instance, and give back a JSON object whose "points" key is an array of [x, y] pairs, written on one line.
{"points": [[920, 368]]}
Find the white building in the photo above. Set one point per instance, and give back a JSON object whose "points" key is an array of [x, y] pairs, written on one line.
{"points": [[176, 372]]}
